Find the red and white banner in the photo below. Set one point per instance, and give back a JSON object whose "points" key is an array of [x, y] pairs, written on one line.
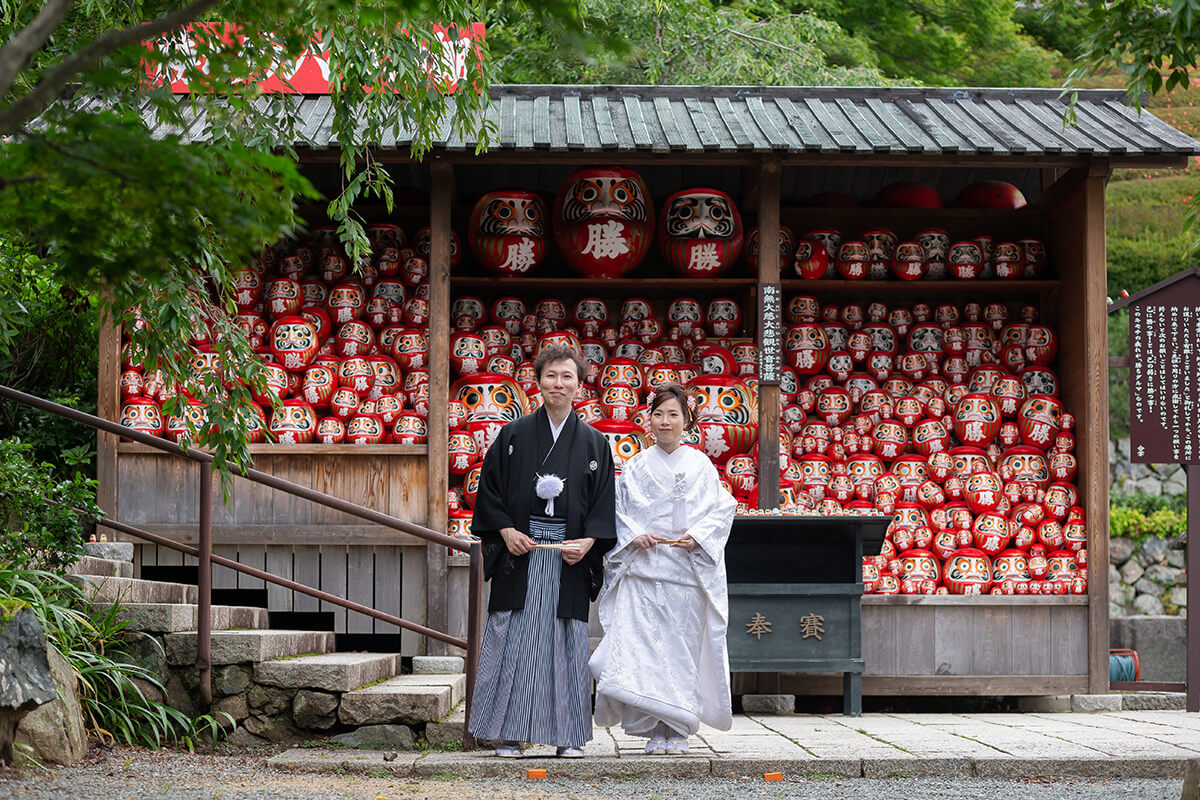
{"points": [[445, 62]]}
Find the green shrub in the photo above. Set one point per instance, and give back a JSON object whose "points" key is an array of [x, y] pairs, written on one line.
{"points": [[114, 707], [1132, 523], [1149, 503], [48, 347], [38, 528]]}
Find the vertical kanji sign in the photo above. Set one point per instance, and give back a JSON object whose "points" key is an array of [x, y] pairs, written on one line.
{"points": [[1164, 410]]}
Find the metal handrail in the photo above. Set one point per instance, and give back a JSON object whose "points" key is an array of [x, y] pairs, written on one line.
{"points": [[203, 551]]}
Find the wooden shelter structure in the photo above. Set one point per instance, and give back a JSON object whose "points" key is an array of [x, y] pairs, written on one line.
{"points": [[771, 148]]}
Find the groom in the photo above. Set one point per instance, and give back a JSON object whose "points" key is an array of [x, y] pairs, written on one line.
{"points": [[545, 513]]}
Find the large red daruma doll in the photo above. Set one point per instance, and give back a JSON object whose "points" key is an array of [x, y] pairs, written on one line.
{"points": [[700, 232], [624, 438], [967, 571], [508, 232], [727, 412], [603, 221], [492, 400]]}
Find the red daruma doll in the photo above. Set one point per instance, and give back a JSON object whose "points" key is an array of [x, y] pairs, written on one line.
{"points": [[700, 232], [603, 222], [508, 232]]}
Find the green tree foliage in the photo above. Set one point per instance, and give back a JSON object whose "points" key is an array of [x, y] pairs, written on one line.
{"points": [[159, 226], [38, 527], [47, 348], [1054, 24], [684, 42], [938, 42], [1156, 43]]}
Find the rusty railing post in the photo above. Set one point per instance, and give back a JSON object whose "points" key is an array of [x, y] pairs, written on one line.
{"points": [[474, 634], [204, 588]]}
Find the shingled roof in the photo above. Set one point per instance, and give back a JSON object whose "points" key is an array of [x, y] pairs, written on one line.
{"points": [[987, 123]]}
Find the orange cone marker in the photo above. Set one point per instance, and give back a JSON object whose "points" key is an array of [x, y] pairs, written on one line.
{"points": [[772, 776], [536, 773]]}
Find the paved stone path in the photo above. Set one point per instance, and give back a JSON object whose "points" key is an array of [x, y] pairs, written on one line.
{"points": [[1148, 744]]}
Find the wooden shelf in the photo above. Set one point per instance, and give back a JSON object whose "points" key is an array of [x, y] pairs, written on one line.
{"points": [[974, 600], [518, 284], [868, 215], [975, 287], [304, 449]]}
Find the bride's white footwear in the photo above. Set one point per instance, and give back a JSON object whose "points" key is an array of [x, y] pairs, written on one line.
{"points": [[677, 747], [657, 746]]}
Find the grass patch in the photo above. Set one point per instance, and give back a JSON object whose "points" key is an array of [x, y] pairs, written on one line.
{"points": [[379, 773], [897, 775], [824, 776]]}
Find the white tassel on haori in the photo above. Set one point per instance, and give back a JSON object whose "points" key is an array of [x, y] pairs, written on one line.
{"points": [[549, 487]]}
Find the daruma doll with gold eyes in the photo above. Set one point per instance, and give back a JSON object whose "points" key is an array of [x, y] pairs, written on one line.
{"points": [[700, 232], [728, 415], [295, 422], [492, 400], [603, 221], [508, 232], [968, 571], [624, 438]]}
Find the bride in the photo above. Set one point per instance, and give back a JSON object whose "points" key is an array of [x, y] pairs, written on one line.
{"points": [[662, 667]]}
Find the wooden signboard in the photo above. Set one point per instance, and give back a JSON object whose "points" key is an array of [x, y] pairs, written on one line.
{"points": [[1164, 364], [1164, 410]]}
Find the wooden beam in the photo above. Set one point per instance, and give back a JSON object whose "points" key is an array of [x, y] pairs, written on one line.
{"points": [[935, 685], [768, 389], [441, 203], [284, 534]]}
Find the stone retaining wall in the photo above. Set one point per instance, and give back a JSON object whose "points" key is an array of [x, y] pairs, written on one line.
{"points": [[1146, 578], [1127, 477]]}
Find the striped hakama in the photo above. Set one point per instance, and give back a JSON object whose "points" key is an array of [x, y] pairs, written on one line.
{"points": [[534, 684]]}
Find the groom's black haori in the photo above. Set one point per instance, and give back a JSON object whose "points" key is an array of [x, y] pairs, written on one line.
{"points": [[506, 499]]}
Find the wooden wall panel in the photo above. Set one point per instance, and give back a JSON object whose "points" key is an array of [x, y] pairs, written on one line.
{"points": [[160, 492], [983, 637], [360, 562], [333, 580], [414, 592]]}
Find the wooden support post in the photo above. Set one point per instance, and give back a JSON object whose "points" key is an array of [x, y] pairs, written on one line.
{"points": [[1094, 374], [108, 403], [768, 333], [441, 200], [1192, 676]]}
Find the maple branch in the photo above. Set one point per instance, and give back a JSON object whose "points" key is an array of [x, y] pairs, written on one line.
{"points": [[86, 58], [18, 50]]}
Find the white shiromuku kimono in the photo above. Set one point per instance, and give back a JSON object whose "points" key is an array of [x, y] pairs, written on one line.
{"points": [[665, 610]]}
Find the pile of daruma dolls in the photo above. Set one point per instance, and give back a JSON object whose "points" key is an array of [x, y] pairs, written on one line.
{"points": [[945, 417], [345, 351], [948, 418]]}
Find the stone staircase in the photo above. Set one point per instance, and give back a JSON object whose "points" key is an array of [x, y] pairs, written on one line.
{"points": [[281, 686]]}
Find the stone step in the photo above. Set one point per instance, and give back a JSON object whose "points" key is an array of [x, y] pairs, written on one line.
{"points": [[407, 699], [448, 730], [331, 672], [179, 617], [111, 551], [135, 590], [87, 565], [239, 647]]}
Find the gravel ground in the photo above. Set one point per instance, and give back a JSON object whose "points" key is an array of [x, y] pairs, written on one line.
{"points": [[125, 774]]}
